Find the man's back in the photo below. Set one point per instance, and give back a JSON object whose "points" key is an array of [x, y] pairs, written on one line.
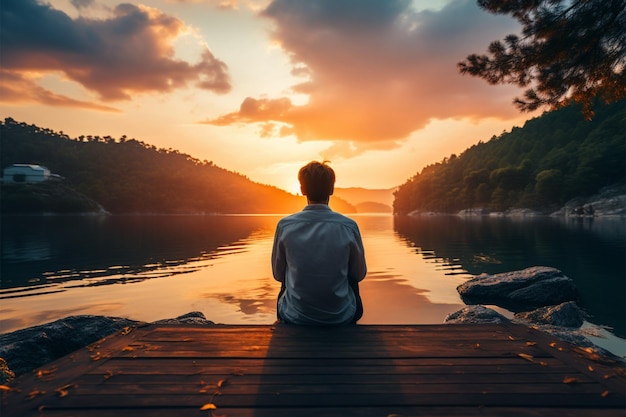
{"points": [[316, 253]]}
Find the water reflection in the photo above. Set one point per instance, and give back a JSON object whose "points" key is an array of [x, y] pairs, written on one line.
{"points": [[92, 251], [155, 267]]}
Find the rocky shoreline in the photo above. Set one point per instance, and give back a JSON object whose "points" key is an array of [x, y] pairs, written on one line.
{"points": [[608, 202], [539, 297]]}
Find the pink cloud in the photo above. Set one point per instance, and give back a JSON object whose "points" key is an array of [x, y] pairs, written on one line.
{"points": [[379, 70], [18, 90]]}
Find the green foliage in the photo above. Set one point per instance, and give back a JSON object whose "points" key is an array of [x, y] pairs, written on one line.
{"points": [[569, 51], [129, 176], [552, 159]]}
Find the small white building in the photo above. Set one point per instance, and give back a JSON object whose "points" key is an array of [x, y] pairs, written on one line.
{"points": [[25, 174]]}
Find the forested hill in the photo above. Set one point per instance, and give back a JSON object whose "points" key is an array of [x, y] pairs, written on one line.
{"points": [[128, 176], [552, 159]]}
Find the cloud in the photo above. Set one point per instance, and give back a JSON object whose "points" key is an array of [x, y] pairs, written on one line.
{"points": [[375, 71], [253, 110], [227, 4], [82, 4], [17, 89], [125, 54]]}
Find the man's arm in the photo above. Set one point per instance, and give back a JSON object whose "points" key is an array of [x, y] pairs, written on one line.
{"points": [[358, 267], [279, 261]]}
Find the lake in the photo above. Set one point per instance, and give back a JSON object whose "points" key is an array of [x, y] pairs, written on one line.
{"points": [[155, 267]]}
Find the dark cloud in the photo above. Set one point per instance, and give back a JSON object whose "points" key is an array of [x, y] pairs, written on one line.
{"points": [[253, 110], [377, 70], [130, 52]]}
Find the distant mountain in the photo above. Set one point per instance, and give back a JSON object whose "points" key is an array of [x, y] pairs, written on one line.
{"points": [[128, 176], [368, 200]]}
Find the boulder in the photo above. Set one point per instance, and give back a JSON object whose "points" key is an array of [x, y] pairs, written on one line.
{"points": [[476, 315], [564, 315], [24, 350], [518, 291], [195, 317], [28, 349]]}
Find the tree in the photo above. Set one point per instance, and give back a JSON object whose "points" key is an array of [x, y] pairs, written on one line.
{"points": [[570, 51]]}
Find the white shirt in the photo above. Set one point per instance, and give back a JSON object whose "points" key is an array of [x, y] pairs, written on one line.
{"points": [[315, 252]]}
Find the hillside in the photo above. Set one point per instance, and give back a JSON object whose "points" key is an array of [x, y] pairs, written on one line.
{"points": [[128, 176], [367, 200], [549, 161]]}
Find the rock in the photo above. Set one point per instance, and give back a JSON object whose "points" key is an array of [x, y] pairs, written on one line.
{"points": [[517, 291], [474, 212], [24, 350], [195, 317], [609, 201], [28, 349], [475, 314], [522, 212], [564, 315]]}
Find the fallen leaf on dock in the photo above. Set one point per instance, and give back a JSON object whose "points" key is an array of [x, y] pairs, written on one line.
{"points": [[125, 330], [221, 383], [35, 393], [605, 394], [5, 388], [46, 374], [208, 406], [531, 343], [570, 380], [554, 345], [530, 358], [591, 354], [63, 391]]}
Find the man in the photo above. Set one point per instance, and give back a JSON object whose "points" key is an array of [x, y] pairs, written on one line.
{"points": [[318, 257]]}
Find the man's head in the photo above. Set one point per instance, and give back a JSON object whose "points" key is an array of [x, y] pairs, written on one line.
{"points": [[317, 181]]}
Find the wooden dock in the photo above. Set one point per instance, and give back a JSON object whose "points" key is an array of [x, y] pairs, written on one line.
{"points": [[279, 371]]}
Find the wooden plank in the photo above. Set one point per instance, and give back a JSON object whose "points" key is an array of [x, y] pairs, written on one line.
{"points": [[309, 400], [204, 380], [529, 411], [331, 387]]}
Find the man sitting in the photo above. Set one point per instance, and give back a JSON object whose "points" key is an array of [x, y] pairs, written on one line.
{"points": [[318, 257]]}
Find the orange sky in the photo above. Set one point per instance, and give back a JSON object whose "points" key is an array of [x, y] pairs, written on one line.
{"points": [[261, 87]]}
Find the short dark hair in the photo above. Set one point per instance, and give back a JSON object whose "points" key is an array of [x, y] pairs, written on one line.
{"points": [[317, 180]]}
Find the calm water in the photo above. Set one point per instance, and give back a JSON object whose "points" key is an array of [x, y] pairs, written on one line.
{"points": [[155, 267]]}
